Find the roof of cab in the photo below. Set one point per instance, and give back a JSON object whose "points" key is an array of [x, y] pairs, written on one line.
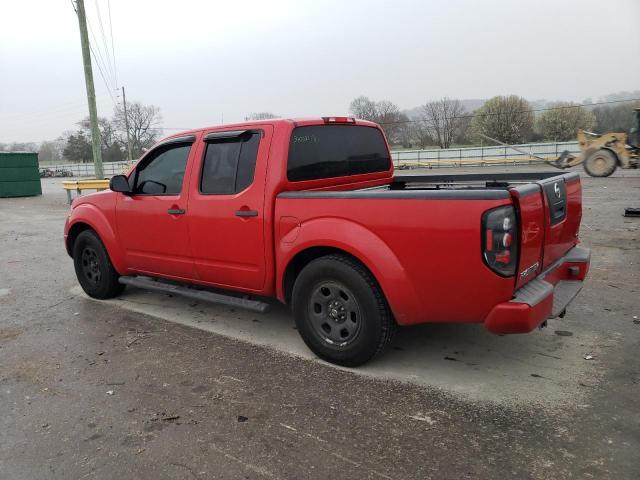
{"points": [[272, 121]]}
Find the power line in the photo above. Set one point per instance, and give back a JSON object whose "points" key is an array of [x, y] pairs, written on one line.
{"points": [[113, 50], [104, 43], [533, 110], [103, 78], [102, 65], [74, 105]]}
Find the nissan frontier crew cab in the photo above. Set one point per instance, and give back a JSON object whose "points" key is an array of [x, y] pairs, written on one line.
{"points": [[309, 211]]}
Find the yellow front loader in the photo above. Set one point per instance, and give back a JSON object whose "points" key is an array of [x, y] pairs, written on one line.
{"points": [[601, 154]]}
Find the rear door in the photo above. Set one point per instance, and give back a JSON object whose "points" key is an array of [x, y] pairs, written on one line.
{"points": [[226, 208]]}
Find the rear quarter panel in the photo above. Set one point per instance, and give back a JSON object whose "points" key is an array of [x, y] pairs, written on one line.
{"points": [[425, 254]]}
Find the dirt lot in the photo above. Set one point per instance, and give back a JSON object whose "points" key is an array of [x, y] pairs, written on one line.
{"points": [[149, 386]]}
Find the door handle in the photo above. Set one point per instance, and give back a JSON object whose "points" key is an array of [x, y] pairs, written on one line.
{"points": [[176, 211], [246, 213]]}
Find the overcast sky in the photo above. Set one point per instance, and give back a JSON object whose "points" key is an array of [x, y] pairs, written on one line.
{"points": [[200, 60]]}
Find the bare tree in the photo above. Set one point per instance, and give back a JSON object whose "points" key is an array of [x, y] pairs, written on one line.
{"points": [[51, 150], [614, 118], [385, 113], [392, 121], [144, 125], [405, 131], [364, 108], [112, 148], [260, 116], [19, 147], [443, 119], [463, 137], [420, 133]]}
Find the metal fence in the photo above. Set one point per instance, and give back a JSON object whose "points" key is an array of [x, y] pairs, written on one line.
{"points": [[87, 169], [437, 158], [482, 156]]}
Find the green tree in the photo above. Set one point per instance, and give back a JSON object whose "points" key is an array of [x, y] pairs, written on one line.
{"points": [[508, 119], [563, 119], [111, 146], [78, 148]]}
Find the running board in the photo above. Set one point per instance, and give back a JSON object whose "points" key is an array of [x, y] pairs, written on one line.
{"points": [[148, 283]]}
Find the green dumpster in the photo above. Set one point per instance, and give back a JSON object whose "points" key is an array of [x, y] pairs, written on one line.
{"points": [[19, 174]]}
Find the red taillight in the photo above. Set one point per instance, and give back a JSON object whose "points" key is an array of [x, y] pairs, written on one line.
{"points": [[499, 240], [503, 257], [488, 241], [339, 119]]}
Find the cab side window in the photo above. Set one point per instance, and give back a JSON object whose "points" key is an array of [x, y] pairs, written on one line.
{"points": [[162, 172], [229, 163]]}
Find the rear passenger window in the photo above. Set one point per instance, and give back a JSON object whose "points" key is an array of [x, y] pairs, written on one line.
{"points": [[325, 151], [229, 164]]}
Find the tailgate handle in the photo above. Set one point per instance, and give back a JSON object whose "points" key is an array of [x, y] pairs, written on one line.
{"points": [[246, 213]]}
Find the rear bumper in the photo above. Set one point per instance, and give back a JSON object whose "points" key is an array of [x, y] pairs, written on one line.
{"points": [[545, 297]]}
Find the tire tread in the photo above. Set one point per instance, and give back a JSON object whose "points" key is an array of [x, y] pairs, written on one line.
{"points": [[388, 323]]}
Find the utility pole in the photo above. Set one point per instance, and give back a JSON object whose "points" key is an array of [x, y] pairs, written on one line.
{"points": [[126, 125], [91, 93]]}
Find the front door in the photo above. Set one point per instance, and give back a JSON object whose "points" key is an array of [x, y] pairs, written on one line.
{"points": [[151, 221], [226, 208]]}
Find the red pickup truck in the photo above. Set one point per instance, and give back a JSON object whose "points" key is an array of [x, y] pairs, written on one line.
{"points": [[309, 211]]}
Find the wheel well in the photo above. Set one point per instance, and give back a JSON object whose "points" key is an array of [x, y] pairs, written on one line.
{"points": [[303, 258], [74, 231]]}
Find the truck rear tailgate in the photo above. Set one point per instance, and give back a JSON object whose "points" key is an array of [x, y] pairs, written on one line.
{"points": [[550, 213]]}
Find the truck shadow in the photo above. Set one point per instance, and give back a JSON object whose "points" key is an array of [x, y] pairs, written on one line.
{"points": [[541, 366]]}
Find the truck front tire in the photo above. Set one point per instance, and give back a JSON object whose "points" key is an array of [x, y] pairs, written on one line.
{"points": [[340, 311], [94, 269]]}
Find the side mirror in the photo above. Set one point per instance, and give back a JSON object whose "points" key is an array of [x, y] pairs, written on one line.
{"points": [[120, 183]]}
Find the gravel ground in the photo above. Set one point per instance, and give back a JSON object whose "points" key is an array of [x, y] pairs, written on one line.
{"points": [[154, 387]]}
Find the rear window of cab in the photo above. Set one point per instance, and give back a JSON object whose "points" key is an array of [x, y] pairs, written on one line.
{"points": [[326, 151]]}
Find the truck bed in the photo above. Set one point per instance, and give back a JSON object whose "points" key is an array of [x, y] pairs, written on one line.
{"points": [[472, 186], [430, 241]]}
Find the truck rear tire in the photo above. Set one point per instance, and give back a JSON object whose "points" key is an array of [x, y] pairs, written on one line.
{"points": [[340, 311], [601, 163], [94, 269]]}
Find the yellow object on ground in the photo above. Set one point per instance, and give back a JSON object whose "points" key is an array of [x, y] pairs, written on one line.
{"points": [[79, 185]]}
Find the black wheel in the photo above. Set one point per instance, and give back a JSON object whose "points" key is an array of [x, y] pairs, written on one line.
{"points": [[601, 163], [94, 270], [341, 312]]}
